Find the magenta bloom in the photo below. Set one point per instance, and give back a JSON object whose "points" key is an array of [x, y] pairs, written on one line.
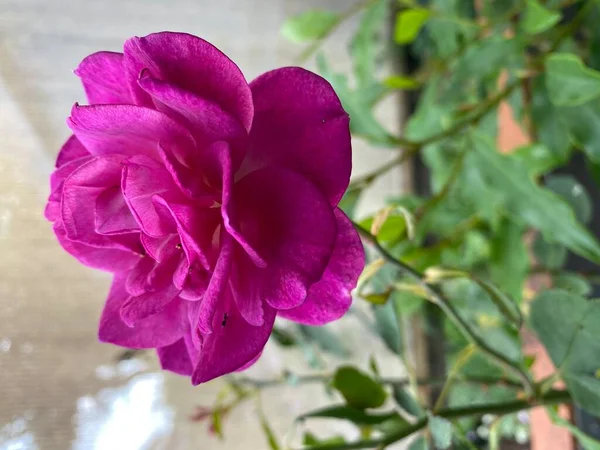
{"points": [[213, 201]]}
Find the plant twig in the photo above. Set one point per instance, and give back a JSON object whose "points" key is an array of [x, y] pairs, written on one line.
{"points": [[551, 398], [439, 299], [366, 180]]}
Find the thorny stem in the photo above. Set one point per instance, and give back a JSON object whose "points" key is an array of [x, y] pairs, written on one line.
{"points": [[551, 398], [436, 296]]}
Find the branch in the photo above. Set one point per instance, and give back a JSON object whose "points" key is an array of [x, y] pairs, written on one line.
{"points": [[551, 398], [366, 180], [439, 299]]}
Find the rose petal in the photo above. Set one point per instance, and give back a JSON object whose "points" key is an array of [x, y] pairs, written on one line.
{"points": [[128, 130], [192, 64], [176, 358], [137, 282], [112, 214], [160, 248], [57, 180], [233, 343], [136, 309], [102, 75], [299, 123], [108, 259], [287, 218], [159, 330], [246, 289], [330, 298], [81, 191], [71, 151], [206, 119]]}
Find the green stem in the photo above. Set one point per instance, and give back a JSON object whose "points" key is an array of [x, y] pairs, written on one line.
{"points": [[551, 398], [465, 328], [366, 180]]}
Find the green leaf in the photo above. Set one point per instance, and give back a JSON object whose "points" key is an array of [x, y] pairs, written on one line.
{"points": [[550, 255], [509, 262], [406, 401], [574, 193], [311, 439], [532, 204], [538, 158], [377, 298], [583, 125], [586, 441], [386, 325], [283, 337], [271, 439], [569, 327], [569, 81], [408, 24], [354, 415], [419, 443], [551, 130], [441, 431], [488, 57], [537, 19], [401, 82], [367, 44], [359, 390], [308, 26], [349, 201], [573, 283], [325, 339], [359, 104]]}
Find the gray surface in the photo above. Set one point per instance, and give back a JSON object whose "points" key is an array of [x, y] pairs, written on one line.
{"points": [[60, 388]]}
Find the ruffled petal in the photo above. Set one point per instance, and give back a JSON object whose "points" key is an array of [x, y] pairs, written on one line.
{"points": [[191, 64], [233, 343], [291, 223], [103, 78], [71, 150], [81, 191], [207, 120], [299, 123], [128, 130], [159, 330], [136, 309], [330, 298], [175, 358], [113, 215], [107, 259]]}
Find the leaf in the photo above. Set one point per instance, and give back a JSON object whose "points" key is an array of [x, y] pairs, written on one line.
{"points": [[537, 19], [419, 443], [583, 125], [586, 441], [574, 193], [406, 401], [386, 325], [309, 26], [569, 327], [532, 204], [354, 415], [271, 439], [538, 158], [486, 58], [572, 283], [349, 201], [550, 255], [311, 439], [504, 303], [569, 81], [377, 298], [402, 82], [359, 390], [359, 105], [408, 24], [509, 261], [283, 337], [441, 431], [365, 44], [325, 339]]}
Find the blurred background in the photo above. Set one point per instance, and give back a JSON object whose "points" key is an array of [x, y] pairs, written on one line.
{"points": [[59, 388]]}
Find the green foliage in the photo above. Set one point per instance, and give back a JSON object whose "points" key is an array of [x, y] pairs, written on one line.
{"points": [[309, 26], [441, 432], [537, 19], [569, 82], [408, 24], [359, 390]]}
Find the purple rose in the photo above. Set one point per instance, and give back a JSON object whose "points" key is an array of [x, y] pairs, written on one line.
{"points": [[213, 201]]}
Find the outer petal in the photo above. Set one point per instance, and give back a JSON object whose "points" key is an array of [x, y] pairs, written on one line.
{"points": [[71, 150], [206, 119], [194, 65], [113, 215], [159, 330], [81, 192], [290, 222], [57, 180], [330, 298], [176, 358], [137, 309], [233, 343], [299, 122], [128, 130], [108, 259], [103, 78]]}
